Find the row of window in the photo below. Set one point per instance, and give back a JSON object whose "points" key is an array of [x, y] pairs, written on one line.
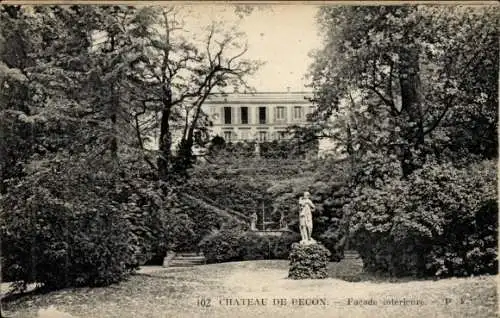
{"points": [[261, 136], [279, 115]]}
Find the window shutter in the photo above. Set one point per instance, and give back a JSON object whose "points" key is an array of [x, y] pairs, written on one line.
{"points": [[285, 118], [275, 113]]}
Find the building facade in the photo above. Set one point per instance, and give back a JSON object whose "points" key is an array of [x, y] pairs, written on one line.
{"points": [[257, 116]]}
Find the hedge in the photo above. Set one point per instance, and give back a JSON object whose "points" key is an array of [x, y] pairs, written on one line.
{"points": [[63, 234], [71, 226], [441, 221], [236, 245]]}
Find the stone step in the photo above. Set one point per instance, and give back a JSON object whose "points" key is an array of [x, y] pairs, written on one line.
{"points": [[190, 257], [194, 261], [185, 263], [187, 260], [184, 259], [351, 255], [189, 254], [179, 264]]}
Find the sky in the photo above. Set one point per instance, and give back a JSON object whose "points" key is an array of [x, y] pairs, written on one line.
{"points": [[282, 36]]}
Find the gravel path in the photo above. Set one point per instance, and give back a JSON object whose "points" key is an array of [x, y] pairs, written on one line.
{"points": [[465, 297], [248, 289]]}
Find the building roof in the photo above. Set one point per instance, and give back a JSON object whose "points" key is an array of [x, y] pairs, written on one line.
{"points": [[259, 98]]}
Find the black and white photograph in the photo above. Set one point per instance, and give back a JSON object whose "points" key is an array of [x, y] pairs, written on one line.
{"points": [[249, 159]]}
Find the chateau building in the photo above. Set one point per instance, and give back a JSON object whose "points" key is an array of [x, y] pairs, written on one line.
{"points": [[257, 116]]}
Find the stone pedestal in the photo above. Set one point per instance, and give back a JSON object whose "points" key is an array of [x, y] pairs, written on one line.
{"points": [[308, 261]]}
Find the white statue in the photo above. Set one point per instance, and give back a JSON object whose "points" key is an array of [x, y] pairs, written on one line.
{"points": [[253, 222], [305, 219]]}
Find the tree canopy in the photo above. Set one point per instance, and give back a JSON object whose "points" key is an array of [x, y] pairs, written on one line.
{"points": [[405, 82], [83, 89]]}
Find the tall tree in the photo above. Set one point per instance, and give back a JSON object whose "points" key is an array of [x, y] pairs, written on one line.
{"points": [[399, 80], [73, 80], [40, 64], [66, 117], [176, 76]]}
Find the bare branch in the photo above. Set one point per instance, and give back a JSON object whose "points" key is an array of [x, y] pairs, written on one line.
{"points": [[209, 42], [374, 88], [448, 104], [389, 84], [166, 48], [244, 51], [394, 111]]}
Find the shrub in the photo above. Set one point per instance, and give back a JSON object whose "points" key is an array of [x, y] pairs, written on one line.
{"points": [[197, 223], [221, 246], [282, 245], [442, 221], [333, 239], [254, 247], [329, 194], [236, 245], [308, 261], [182, 237], [150, 214], [61, 228]]}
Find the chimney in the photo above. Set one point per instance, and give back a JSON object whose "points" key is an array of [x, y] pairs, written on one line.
{"points": [[288, 89]]}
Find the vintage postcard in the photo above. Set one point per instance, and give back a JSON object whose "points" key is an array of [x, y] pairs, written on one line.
{"points": [[239, 159]]}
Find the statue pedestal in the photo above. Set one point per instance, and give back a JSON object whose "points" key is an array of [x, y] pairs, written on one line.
{"points": [[308, 260], [307, 242]]}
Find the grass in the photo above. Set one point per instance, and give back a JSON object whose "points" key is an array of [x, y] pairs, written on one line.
{"points": [[176, 293]]}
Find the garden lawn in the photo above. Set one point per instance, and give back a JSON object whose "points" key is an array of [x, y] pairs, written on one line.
{"points": [[176, 292]]}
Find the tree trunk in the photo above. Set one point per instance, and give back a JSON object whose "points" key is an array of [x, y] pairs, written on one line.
{"points": [[115, 100], [165, 142], [185, 157], [411, 98], [113, 110]]}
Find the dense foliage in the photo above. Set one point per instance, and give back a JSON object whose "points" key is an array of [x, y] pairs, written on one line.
{"points": [[397, 83], [330, 191], [240, 184], [409, 94], [53, 237], [84, 197], [441, 222], [308, 261], [236, 245], [295, 147], [195, 222]]}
